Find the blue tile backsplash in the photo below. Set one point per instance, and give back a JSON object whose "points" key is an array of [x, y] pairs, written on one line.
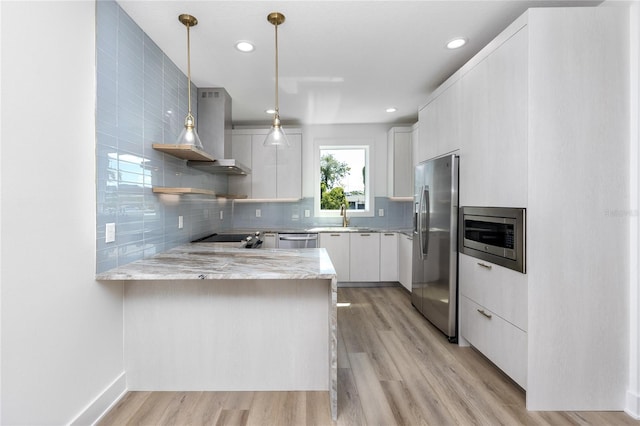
{"points": [[141, 100]]}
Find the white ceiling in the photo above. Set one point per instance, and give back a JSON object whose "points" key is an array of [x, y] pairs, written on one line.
{"points": [[340, 61]]}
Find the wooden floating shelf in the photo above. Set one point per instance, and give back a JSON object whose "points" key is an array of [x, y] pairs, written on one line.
{"points": [[184, 152], [198, 191], [179, 191]]}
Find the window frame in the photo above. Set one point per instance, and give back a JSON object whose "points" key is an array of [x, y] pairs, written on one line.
{"points": [[344, 145]]}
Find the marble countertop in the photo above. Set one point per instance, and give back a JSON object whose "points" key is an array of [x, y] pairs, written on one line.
{"points": [[208, 261]]}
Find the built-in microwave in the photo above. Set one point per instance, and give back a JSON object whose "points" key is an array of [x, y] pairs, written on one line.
{"points": [[494, 234]]}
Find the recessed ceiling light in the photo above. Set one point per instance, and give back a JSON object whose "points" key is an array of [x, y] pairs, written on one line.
{"points": [[244, 46], [270, 111], [392, 109], [456, 43]]}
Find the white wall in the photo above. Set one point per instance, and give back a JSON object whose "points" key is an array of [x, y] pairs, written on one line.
{"points": [[61, 330], [632, 406], [378, 152]]}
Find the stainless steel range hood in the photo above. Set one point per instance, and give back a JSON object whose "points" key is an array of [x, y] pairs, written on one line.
{"points": [[214, 128]]}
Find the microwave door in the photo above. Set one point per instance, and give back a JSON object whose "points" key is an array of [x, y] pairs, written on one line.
{"points": [[424, 221]]}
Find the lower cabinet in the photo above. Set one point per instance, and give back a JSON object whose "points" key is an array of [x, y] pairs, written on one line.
{"points": [[269, 240], [337, 245], [388, 256], [364, 255], [500, 341], [493, 314], [405, 260]]}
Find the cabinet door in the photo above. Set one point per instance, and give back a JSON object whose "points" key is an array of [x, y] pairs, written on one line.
{"points": [[508, 87], [474, 154], [399, 162], [364, 254], [270, 240], [289, 168], [427, 139], [241, 151], [263, 168], [337, 245], [389, 256], [440, 124], [405, 261], [503, 343]]}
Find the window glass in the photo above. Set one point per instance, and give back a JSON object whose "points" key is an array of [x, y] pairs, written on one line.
{"points": [[344, 178]]}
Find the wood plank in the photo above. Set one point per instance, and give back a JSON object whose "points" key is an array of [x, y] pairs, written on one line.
{"points": [[372, 397], [125, 409], [349, 405], [184, 152]]}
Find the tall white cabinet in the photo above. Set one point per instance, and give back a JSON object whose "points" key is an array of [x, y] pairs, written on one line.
{"points": [[400, 162], [539, 119]]}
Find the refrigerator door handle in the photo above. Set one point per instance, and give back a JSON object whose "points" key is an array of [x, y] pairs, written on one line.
{"points": [[424, 222]]}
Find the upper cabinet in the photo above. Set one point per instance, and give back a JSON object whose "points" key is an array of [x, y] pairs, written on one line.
{"points": [[494, 129], [400, 162], [276, 172], [440, 124]]}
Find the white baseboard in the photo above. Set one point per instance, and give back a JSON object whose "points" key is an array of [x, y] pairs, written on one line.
{"points": [[632, 407], [102, 403]]}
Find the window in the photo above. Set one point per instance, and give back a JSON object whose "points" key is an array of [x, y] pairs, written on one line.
{"points": [[344, 179]]}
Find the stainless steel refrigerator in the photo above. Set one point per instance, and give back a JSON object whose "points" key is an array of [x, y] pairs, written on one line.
{"points": [[434, 286]]}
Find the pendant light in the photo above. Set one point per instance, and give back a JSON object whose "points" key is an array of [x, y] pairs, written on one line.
{"points": [[189, 136], [276, 136]]}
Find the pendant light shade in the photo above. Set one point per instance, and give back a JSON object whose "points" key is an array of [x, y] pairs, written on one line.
{"points": [[276, 136], [189, 136]]}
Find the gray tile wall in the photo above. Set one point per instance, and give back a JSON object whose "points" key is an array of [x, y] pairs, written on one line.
{"points": [[142, 99]]}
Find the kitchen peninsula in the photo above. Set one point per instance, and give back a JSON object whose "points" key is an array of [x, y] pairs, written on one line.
{"points": [[200, 317]]}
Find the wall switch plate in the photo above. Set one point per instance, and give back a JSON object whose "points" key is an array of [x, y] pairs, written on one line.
{"points": [[380, 212], [307, 213], [110, 233], [258, 213], [221, 215], [180, 222]]}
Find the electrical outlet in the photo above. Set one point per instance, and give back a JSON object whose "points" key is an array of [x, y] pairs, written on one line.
{"points": [[180, 222], [380, 212], [110, 233], [258, 213], [307, 213], [221, 215]]}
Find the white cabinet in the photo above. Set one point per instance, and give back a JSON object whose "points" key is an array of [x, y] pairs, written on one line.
{"points": [[400, 162], [388, 256], [493, 314], [501, 342], [364, 253], [337, 245], [534, 108], [494, 106], [269, 240], [405, 260], [276, 172], [440, 123]]}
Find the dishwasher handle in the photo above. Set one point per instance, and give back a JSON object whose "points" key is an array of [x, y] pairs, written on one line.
{"points": [[298, 238]]}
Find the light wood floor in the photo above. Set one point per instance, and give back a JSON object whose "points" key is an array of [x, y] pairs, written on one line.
{"points": [[394, 368]]}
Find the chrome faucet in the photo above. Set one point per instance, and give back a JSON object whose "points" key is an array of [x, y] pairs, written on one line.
{"points": [[343, 213]]}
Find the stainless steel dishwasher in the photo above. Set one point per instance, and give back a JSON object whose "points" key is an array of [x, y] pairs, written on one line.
{"points": [[297, 240]]}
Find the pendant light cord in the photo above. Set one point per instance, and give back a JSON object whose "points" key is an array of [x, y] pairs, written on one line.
{"points": [[277, 100], [189, 67]]}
